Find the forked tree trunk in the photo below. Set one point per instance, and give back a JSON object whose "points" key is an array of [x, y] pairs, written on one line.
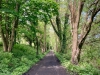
{"points": [[8, 39], [11, 41], [5, 46], [75, 19], [15, 26], [77, 43]]}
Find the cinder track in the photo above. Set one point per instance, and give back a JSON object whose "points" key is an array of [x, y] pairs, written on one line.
{"points": [[49, 65]]}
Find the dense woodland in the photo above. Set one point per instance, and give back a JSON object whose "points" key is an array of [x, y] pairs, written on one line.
{"points": [[30, 28]]}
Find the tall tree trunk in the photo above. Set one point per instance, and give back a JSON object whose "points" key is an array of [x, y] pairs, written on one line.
{"points": [[45, 46], [10, 35], [56, 39], [11, 41], [37, 43], [15, 25], [75, 19], [64, 40], [57, 28], [75, 50], [5, 46], [58, 22]]}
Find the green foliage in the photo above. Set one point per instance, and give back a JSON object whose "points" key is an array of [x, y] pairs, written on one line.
{"points": [[1, 44], [32, 13], [19, 60], [5, 59], [20, 50], [83, 68], [39, 10], [5, 55]]}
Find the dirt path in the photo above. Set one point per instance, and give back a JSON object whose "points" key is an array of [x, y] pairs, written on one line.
{"points": [[48, 66]]}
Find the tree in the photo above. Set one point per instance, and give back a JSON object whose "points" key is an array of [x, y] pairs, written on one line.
{"points": [[60, 29], [35, 12], [76, 8], [65, 29], [10, 19]]}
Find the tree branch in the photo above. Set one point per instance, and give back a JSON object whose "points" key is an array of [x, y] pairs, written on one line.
{"points": [[53, 25], [94, 3], [80, 8], [87, 25]]}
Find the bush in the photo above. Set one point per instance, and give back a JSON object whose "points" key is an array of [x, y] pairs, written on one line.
{"points": [[5, 59], [19, 70], [7, 55], [1, 44], [82, 68], [21, 50], [19, 61]]}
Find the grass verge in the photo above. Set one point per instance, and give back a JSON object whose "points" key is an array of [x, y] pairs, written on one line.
{"points": [[83, 68]]}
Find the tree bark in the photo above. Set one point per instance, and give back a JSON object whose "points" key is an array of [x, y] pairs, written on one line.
{"points": [[5, 46], [59, 29], [45, 46], [15, 25], [87, 25], [75, 19], [75, 51], [8, 37], [37, 43], [64, 39]]}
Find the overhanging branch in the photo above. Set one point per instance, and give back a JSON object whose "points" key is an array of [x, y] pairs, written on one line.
{"points": [[53, 25]]}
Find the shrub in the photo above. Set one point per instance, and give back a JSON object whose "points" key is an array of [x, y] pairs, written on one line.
{"points": [[1, 44], [19, 61], [82, 68]]}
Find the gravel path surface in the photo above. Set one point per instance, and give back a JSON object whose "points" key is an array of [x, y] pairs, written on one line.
{"points": [[49, 65]]}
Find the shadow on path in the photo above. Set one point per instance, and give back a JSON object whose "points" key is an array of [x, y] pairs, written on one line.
{"points": [[48, 66]]}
